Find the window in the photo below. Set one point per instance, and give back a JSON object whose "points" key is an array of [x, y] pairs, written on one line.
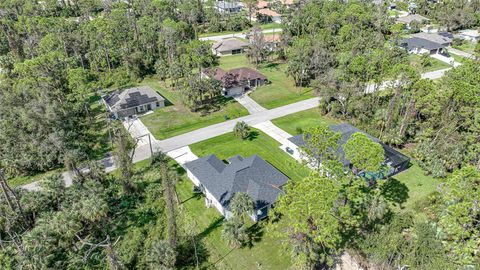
{"points": [[238, 51], [158, 104]]}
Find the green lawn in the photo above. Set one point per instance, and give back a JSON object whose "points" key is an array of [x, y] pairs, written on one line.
{"points": [[458, 58], [467, 46], [297, 122], [415, 61], [175, 119], [227, 145], [281, 91]]}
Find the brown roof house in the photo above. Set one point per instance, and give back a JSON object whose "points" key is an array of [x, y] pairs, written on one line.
{"points": [[267, 15], [133, 101], [229, 46], [236, 81]]}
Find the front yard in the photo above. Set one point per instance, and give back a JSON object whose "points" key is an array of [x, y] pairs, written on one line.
{"points": [[435, 64], [281, 91], [296, 123], [175, 119], [466, 46]]}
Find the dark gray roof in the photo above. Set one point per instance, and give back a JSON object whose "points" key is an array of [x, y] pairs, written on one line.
{"points": [[132, 97], [251, 175], [443, 38], [416, 42], [392, 156]]}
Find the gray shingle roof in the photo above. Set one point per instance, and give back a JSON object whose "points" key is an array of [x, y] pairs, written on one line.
{"points": [[228, 5], [392, 156], [229, 45], [132, 97], [251, 175], [416, 42], [412, 17], [443, 38]]}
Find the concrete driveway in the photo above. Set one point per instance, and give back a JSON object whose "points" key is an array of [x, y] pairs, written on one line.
{"points": [[182, 155], [273, 131], [249, 104], [138, 131]]}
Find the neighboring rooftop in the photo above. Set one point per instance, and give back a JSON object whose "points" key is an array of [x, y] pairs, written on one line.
{"points": [[412, 17], [392, 156], [444, 38], [228, 5], [243, 73], [131, 97], [268, 12], [416, 42], [229, 45], [251, 175], [469, 32], [262, 4]]}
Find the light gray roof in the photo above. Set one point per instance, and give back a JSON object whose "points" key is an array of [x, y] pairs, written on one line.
{"points": [[229, 44], [132, 97], [392, 156], [251, 175], [412, 17], [228, 5], [416, 43], [443, 38]]}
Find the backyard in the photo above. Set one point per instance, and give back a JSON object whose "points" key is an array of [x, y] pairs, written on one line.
{"points": [[281, 91], [175, 119], [466, 46]]}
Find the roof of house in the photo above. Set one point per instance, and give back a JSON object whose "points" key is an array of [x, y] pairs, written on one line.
{"points": [[416, 43], [272, 38], [411, 17], [469, 32], [262, 4], [392, 157], [251, 175], [229, 45], [268, 12], [444, 38], [286, 2], [132, 97], [228, 5], [243, 73]]}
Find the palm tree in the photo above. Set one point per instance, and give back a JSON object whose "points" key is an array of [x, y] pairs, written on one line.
{"points": [[242, 203], [241, 130], [235, 232]]}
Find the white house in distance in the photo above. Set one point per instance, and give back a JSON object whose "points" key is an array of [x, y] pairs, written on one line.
{"points": [[230, 46], [133, 101], [469, 34], [228, 6], [220, 181]]}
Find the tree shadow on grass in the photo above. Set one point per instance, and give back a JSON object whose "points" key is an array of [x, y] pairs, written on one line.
{"points": [[192, 252], [255, 234], [214, 225], [395, 191], [253, 135]]}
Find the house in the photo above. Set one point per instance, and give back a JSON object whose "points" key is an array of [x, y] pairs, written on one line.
{"points": [[236, 81], [395, 160], [133, 101], [219, 181], [469, 34], [229, 46], [407, 20], [266, 14], [262, 4], [228, 7], [443, 38], [271, 40], [418, 45]]}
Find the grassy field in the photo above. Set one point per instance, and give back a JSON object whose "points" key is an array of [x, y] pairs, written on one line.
{"points": [[458, 58], [281, 91], [297, 122], [175, 119], [467, 46], [227, 145], [415, 61]]}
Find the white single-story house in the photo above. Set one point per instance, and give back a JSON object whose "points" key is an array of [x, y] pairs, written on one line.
{"points": [[230, 46], [395, 160], [133, 101], [243, 80], [228, 6], [418, 45], [219, 181], [469, 34]]}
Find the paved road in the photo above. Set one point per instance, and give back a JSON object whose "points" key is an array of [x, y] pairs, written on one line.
{"points": [[249, 104], [238, 35]]}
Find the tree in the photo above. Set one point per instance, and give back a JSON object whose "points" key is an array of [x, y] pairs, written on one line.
{"points": [[363, 153], [242, 204], [241, 130], [257, 51], [235, 231], [123, 146], [321, 145], [161, 256], [251, 4]]}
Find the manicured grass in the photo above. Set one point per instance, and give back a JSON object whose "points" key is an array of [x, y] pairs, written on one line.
{"points": [[175, 119], [272, 25], [227, 145], [459, 58], [297, 122], [281, 91], [467, 46], [266, 251], [415, 61]]}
